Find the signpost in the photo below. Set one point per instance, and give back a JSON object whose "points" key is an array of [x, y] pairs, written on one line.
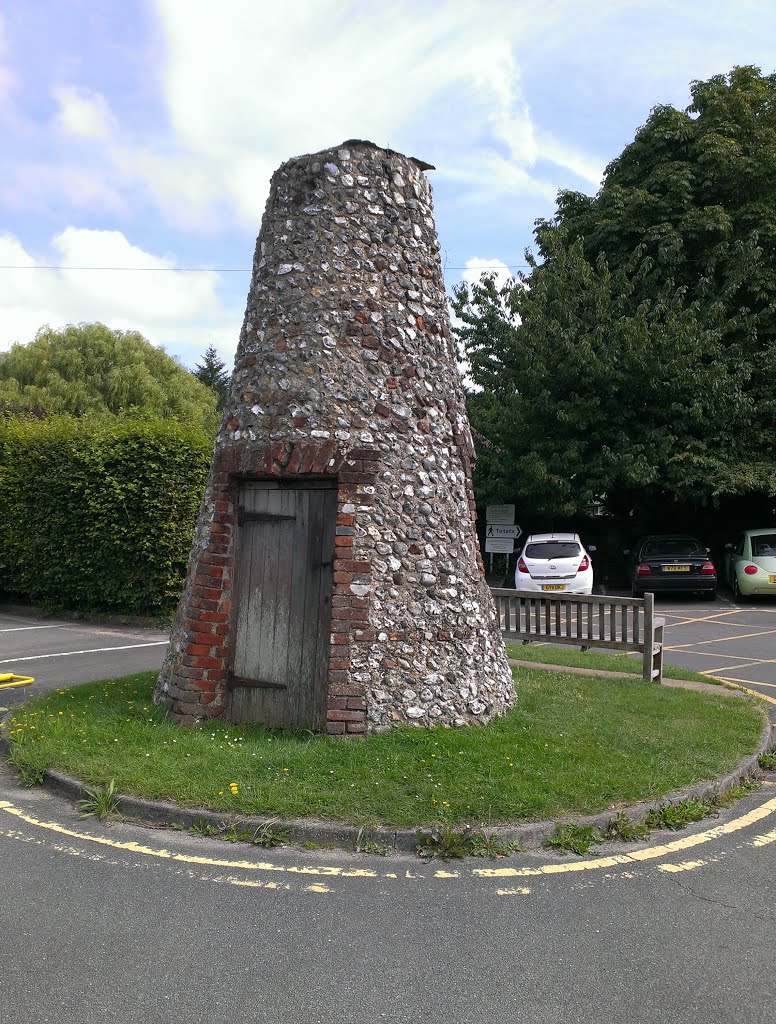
{"points": [[501, 532]]}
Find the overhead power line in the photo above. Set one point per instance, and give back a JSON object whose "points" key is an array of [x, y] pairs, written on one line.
{"points": [[224, 270]]}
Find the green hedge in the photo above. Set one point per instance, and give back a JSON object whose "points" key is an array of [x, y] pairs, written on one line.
{"points": [[99, 516]]}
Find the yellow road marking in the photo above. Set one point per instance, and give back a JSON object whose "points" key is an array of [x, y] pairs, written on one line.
{"points": [[744, 664], [651, 853], [513, 892], [764, 840], [686, 865], [721, 640], [705, 618], [753, 682], [726, 656], [686, 843]]}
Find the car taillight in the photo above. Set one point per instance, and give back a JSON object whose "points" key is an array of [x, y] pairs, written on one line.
{"points": [[750, 570], [584, 564], [643, 570], [707, 569], [521, 566]]}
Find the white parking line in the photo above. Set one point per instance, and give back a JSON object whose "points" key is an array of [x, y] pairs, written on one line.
{"points": [[19, 629], [95, 650]]}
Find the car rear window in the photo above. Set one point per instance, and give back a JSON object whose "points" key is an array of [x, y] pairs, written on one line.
{"points": [[764, 544], [673, 547], [553, 549]]}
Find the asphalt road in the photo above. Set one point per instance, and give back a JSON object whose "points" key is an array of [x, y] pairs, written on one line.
{"points": [[57, 652], [128, 924]]}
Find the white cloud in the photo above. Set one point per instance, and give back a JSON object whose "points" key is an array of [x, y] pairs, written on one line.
{"points": [[83, 112], [476, 267], [172, 308], [298, 77]]}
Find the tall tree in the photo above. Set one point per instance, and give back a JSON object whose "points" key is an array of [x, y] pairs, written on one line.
{"points": [[89, 369], [639, 354], [211, 371]]}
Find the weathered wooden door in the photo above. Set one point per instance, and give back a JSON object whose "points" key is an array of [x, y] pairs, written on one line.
{"points": [[282, 587]]}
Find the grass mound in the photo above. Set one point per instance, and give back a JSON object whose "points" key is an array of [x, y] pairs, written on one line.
{"points": [[573, 744]]}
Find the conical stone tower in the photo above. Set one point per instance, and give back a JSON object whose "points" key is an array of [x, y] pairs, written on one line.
{"points": [[335, 581]]}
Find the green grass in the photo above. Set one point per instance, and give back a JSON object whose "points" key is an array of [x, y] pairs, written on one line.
{"points": [[573, 744], [568, 655]]}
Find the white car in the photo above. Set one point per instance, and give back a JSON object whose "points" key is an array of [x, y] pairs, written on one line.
{"points": [[554, 563]]}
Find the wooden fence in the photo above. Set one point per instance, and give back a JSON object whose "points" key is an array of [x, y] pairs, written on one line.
{"points": [[620, 623]]}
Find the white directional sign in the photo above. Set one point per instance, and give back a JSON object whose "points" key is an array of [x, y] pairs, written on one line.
{"points": [[500, 514], [499, 545], [495, 530]]}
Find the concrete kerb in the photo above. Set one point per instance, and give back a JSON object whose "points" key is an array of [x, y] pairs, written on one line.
{"points": [[528, 835]]}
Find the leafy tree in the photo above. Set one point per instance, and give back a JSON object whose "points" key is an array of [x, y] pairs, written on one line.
{"points": [[211, 371], [638, 355], [89, 369]]}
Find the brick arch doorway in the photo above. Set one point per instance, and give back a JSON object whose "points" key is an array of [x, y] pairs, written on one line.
{"points": [[279, 657]]}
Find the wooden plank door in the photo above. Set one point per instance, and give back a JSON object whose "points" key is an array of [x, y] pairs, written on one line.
{"points": [[283, 581]]}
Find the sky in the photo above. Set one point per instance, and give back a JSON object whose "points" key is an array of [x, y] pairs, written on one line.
{"points": [[138, 137]]}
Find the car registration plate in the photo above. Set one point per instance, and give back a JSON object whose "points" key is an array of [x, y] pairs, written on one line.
{"points": [[676, 568], [553, 586], [772, 579]]}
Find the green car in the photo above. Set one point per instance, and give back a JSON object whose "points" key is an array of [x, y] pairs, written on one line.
{"points": [[750, 563]]}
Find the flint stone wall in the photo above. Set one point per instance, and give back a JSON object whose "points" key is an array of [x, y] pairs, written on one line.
{"points": [[346, 368]]}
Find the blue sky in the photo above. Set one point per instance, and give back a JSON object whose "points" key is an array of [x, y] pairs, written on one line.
{"points": [[143, 133]]}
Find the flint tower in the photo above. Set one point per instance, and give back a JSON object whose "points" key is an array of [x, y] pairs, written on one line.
{"points": [[335, 581]]}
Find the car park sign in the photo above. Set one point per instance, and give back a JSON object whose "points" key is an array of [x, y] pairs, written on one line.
{"points": [[500, 529], [497, 530]]}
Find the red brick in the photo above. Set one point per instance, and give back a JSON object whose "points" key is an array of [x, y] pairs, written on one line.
{"points": [[203, 662], [355, 476], [343, 542], [338, 639], [194, 650], [211, 558], [205, 639], [345, 519], [356, 728], [367, 636], [296, 459], [357, 703], [216, 675], [338, 703], [335, 715], [335, 728], [353, 565], [347, 690], [309, 451], [321, 460], [337, 664], [352, 614], [212, 617], [342, 577]]}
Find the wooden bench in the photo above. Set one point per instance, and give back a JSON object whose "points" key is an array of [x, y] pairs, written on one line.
{"points": [[620, 623]]}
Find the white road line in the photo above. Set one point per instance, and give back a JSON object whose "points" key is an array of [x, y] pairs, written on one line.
{"points": [[95, 650], [18, 629]]}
